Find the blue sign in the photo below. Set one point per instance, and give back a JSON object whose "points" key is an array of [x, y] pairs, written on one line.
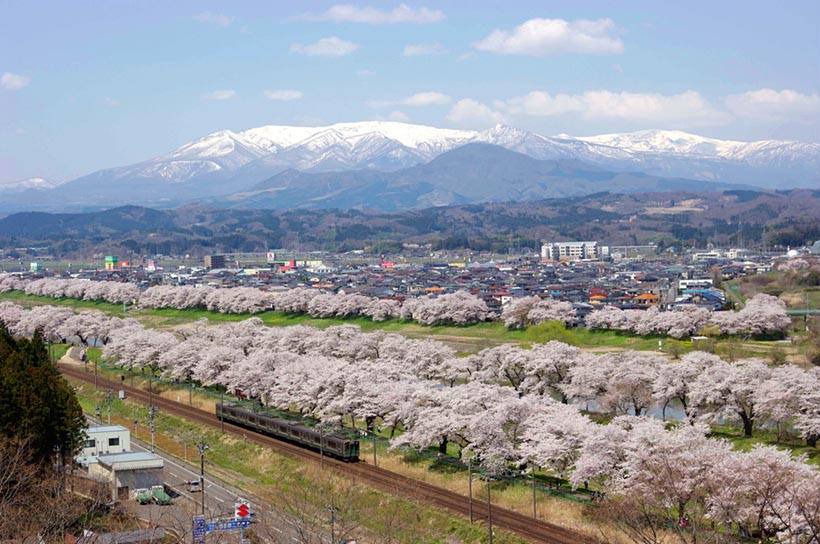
{"points": [[227, 525], [199, 529]]}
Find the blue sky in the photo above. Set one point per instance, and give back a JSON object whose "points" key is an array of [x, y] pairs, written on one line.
{"points": [[87, 85]]}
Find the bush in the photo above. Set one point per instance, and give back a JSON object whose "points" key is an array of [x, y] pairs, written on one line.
{"points": [[549, 330], [778, 356]]}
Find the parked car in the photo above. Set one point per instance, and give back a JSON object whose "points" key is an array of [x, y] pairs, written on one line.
{"points": [[159, 495], [143, 496]]}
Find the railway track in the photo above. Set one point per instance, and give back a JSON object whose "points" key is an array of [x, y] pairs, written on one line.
{"points": [[385, 480]]}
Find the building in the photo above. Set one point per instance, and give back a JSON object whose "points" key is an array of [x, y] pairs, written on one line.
{"points": [[112, 262], [572, 251], [128, 471], [695, 283], [106, 439], [214, 261], [36, 267]]}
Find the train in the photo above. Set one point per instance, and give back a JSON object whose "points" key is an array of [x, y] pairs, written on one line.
{"points": [[332, 444]]}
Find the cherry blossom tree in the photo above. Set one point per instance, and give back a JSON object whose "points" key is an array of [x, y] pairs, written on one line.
{"points": [[674, 380], [554, 436], [729, 390], [549, 366], [522, 312]]}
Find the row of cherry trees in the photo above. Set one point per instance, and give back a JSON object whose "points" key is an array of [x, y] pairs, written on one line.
{"points": [[701, 385], [763, 314], [502, 407], [459, 308]]}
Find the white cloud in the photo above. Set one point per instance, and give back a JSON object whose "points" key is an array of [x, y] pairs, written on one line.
{"points": [[429, 98], [398, 116], [326, 47], [225, 94], [469, 112], [14, 82], [542, 37], [771, 105], [423, 49], [348, 13], [108, 101], [364, 72], [688, 107], [283, 94], [207, 17]]}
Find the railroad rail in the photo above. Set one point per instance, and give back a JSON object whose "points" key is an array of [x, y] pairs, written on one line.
{"points": [[385, 480]]}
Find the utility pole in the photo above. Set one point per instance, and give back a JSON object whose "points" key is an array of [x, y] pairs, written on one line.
{"points": [[221, 410], [489, 511], [332, 521], [108, 396], [534, 504], [95, 374], [151, 411], [202, 446], [375, 464], [470, 485], [322, 446]]}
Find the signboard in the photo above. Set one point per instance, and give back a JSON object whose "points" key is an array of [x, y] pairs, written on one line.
{"points": [[241, 511], [199, 529], [226, 525], [271, 256]]}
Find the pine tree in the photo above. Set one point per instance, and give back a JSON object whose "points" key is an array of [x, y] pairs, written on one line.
{"points": [[36, 403]]}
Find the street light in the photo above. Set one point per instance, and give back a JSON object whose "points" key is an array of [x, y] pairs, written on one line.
{"points": [[203, 447]]}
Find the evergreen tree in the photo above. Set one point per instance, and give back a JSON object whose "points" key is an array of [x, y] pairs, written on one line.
{"points": [[36, 403]]}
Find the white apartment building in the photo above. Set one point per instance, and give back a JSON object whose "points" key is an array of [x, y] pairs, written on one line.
{"points": [[572, 251]]}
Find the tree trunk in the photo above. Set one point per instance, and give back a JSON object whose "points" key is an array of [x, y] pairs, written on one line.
{"points": [[748, 424], [442, 447], [811, 440]]}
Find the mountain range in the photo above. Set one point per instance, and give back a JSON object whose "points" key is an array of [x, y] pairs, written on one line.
{"points": [[392, 166], [672, 218]]}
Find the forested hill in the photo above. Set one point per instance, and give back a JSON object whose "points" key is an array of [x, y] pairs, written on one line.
{"points": [[787, 218]]}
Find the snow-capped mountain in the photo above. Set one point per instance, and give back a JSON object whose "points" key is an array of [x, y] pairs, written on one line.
{"points": [[28, 183], [227, 162], [760, 153]]}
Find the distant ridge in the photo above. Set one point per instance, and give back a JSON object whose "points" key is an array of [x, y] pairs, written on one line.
{"points": [[228, 162]]}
